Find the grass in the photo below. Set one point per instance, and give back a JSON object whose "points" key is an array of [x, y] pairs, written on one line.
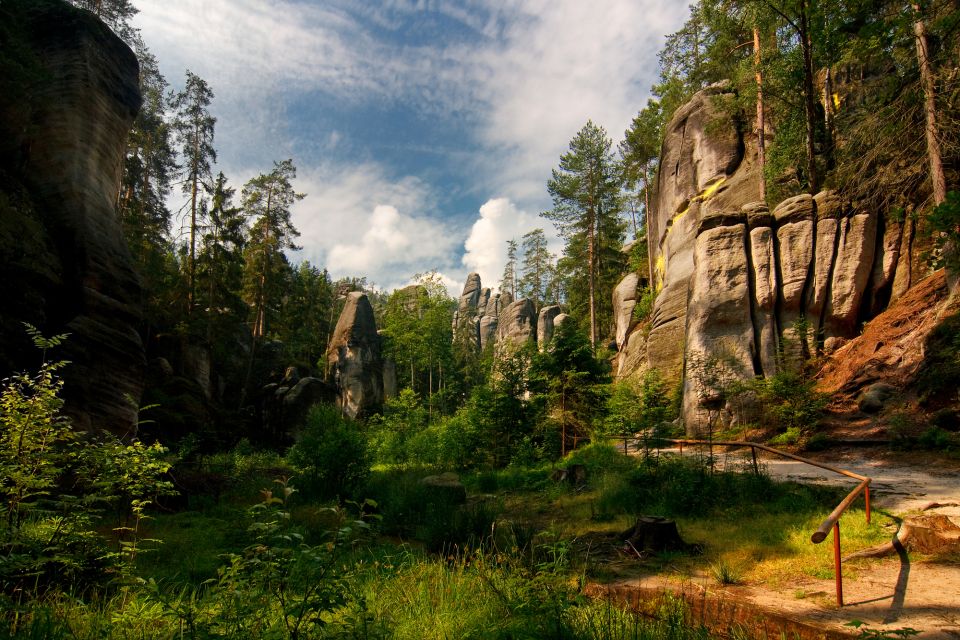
{"points": [[509, 565]]}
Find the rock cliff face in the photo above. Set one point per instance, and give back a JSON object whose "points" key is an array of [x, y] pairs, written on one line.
{"points": [[355, 359], [62, 140], [487, 318], [741, 289]]}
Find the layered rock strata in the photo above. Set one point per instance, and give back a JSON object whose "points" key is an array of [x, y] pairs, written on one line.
{"points": [[355, 360], [63, 138], [743, 291], [486, 319]]}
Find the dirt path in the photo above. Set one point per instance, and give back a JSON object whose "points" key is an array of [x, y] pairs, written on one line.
{"points": [[889, 593]]}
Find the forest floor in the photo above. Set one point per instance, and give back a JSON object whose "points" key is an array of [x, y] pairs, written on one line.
{"points": [[914, 591]]}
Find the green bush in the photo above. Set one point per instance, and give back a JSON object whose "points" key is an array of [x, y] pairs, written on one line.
{"points": [[935, 438], [56, 484], [939, 380], [790, 400], [600, 459], [331, 457], [673, 486]]}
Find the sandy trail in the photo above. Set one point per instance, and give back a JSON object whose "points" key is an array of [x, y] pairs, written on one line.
{"points": [[890, 593]]}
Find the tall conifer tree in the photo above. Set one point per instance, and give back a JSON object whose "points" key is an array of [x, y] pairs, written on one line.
{"points": [[586, 206], [194, 127]]}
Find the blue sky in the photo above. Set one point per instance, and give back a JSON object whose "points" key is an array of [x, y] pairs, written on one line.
{"points": [[424, 132]]}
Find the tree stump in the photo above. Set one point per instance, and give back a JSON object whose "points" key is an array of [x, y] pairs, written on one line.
{"points": [[653, 534], [575, 474]]}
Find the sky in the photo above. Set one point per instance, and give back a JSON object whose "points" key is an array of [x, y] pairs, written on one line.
{"points": [[423, 131]]}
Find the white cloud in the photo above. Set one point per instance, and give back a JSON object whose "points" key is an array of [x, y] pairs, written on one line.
{"points": [[564, 62], [357, 221], [486, 246], [527, 77]]}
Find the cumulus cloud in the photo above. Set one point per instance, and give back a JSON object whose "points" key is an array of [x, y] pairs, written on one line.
{"points": [[513, 79], [358, 221], [393, 243], [486, 247], [564, 62]]}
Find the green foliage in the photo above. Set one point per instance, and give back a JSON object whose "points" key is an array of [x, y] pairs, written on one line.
{"points": [[403, 418], [937, 439], [417, 324], [331, 456], [571, 380], [944, 224], [600, 459], [56, 483], [280, 583], [675, 487], [433, 515], [791, 400], [586, 192], [537, 271], [268, 199], [725, 574], [633, 408], [939, 379]]}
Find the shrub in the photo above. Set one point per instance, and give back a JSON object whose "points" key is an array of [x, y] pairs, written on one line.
{"points": [[791, 400], [600, 458], [331, 457], [55, 484], [935, 438]]}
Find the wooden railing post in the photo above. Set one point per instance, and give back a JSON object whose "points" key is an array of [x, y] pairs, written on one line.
{"points": [[866, 497], [836, 562], [753, 452]]}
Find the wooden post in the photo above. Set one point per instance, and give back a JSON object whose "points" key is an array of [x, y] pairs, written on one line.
{"points": [[624, 445], [866, 497], [836, 562], [756, 469]]}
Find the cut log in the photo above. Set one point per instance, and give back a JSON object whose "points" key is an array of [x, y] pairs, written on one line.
{"points": [[653, 534], [922, 534]]}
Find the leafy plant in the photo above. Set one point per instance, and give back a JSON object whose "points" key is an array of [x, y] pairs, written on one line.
{"points": [[331, 457], [280, 575], [56, 483], [944, 224]]}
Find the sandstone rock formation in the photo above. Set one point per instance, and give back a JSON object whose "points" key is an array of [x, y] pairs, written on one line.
{"points": [[486, 318], [62, 141], [546, 323], [518, 323], [741, 290], [355, 360], [624, 301]]}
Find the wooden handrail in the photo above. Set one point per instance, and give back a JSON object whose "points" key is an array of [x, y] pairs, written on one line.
{"points": [[832, 521]]}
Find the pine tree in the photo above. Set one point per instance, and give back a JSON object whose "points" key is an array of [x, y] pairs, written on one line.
{"points": [[640, 153], [220, 260], [306, 315], [268, 199], [536, 269], [508, 283], [194, 127], [116, 14], [148, 171], [587, 204]]}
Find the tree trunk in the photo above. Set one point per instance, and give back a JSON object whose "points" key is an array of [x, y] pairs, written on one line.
{"points": [[809, 101], [761, 113], [937, 176], [193, 218], [828, 114]]}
